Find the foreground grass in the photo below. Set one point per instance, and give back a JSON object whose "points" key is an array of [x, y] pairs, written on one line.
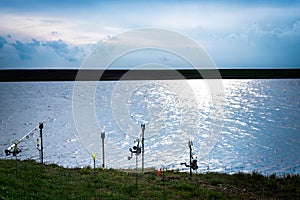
{"points": [[31, 180]]}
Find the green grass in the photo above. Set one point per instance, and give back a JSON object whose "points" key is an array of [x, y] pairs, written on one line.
{"points": [[31, 180]]}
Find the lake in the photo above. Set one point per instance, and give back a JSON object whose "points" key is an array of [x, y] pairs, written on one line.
{"points": [[260, 129]]}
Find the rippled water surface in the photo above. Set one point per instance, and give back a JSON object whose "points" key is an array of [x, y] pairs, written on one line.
{"points": [[260, 128]]}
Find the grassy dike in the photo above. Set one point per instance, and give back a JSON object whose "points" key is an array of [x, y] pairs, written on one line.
{"points": [[31, 180]]}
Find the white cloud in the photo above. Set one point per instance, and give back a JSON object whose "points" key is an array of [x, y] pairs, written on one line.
{"points": [[231, 36], [257, 46], [25, 27], [219, 17], [41, 54], [90, 26]]}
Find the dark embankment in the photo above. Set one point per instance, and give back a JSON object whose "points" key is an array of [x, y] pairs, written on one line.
{"points": [[106, 75], [31, 180]]}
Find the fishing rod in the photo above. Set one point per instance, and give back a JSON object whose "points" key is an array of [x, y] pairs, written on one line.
{"points": [[14, 150], [193, 160], [137, 149], [138, 146]]}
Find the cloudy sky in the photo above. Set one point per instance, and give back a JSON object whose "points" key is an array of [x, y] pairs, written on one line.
{"points": [[236, 34]]}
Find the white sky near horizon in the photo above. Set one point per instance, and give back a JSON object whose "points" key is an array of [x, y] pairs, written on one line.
{"points": [[236, 34]]}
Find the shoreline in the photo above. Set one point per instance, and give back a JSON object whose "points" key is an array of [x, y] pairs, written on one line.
{"points": [[10, 75], [31, 180]]}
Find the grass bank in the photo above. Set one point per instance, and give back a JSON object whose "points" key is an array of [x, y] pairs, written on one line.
{"points": [[31, 180]]}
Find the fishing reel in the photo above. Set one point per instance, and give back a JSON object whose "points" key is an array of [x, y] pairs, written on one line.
{"points": [[14, 150], [136, 149], [193, 163]]}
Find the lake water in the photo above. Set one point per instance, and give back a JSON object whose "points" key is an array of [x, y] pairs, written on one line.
{"points": [[260, 130]]}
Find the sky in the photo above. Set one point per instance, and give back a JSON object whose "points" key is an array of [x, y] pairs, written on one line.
{"points": [[236, 34]]}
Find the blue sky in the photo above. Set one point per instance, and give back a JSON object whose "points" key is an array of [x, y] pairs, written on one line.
{"points": [[236, 34]]}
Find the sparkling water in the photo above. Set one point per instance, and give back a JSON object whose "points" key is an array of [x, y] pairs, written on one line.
{"points": [[260, 128]]}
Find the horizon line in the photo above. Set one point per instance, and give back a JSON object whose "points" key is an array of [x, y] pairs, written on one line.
{"points": [[10, 75]]}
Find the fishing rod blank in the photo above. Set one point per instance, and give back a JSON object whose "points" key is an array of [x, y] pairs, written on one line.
{"points": [[11, 149], [14, 150]]}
